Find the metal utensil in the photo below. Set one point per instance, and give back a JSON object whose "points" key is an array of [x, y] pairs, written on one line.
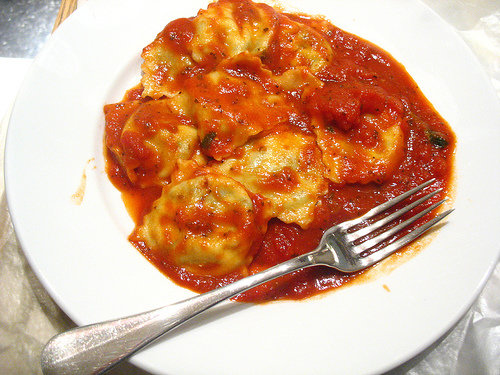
{"points": [[95, 348]]}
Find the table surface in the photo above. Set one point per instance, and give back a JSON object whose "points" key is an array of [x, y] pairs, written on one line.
{"points": [[28, 316]]}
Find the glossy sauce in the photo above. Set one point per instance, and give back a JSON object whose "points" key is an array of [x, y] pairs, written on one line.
{"points": [[360, 72]]}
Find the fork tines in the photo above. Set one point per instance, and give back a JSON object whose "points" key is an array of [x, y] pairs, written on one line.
{"points": [[359, 248]]}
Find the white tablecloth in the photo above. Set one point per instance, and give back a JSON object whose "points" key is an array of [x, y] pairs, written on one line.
{"points": [[29, 317]]}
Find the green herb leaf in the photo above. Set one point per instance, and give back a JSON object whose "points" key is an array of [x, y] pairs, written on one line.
{"points": [[437, 139], [207, 140]]}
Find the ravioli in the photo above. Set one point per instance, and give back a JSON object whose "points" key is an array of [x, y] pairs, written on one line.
{"points": [[296, 44], [359, 131], [151, 141], [286, 169], [226, 29], [236, 101], [205, 224]]}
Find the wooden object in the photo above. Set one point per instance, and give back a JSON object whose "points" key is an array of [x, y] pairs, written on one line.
{"points": [[67, 7]]}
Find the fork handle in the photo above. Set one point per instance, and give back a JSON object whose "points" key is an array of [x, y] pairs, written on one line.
{"points": [[95, 348]]}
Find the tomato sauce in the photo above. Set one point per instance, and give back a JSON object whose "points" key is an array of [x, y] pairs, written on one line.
{"points": [[362, 78]]}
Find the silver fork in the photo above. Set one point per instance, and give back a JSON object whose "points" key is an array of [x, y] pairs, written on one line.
{"points": [[95, 348]]}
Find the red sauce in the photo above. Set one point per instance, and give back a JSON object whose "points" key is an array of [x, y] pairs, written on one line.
{"points": [[361, 79]]}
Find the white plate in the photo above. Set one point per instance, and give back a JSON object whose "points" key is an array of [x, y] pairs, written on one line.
{"points": [[81, 254]]}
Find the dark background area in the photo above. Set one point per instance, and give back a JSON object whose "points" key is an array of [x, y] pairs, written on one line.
{"points": [[25, 26]]}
